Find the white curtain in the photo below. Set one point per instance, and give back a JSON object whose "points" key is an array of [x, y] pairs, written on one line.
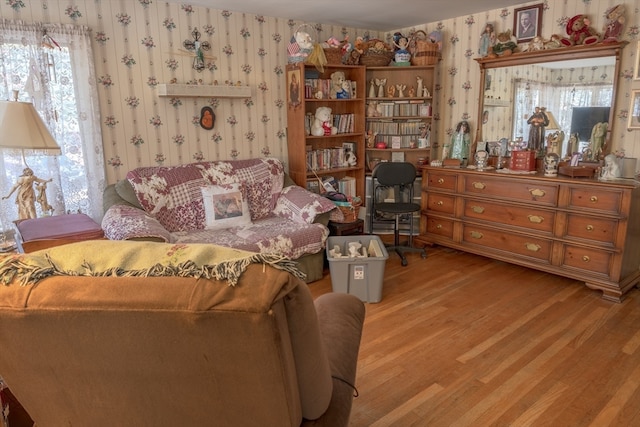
{"points": [[52, 66], [559, 99]]}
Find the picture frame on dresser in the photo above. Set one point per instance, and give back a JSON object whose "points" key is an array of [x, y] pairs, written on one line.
{"points": [[634, 110]]}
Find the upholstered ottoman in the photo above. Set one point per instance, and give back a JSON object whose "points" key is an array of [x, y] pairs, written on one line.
{"points": [[49, 231]]}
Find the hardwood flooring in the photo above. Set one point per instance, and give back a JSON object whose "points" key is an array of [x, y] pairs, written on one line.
{"points": [[463, 340]]}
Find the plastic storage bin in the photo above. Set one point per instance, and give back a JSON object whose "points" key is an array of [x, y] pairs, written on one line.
{"points": [[361, 277]]}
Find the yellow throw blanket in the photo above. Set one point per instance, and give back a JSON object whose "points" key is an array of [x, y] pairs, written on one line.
{"points": [[132, 258]]}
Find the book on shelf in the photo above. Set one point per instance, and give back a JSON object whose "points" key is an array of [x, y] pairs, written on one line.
{"points": [[347, 186]]}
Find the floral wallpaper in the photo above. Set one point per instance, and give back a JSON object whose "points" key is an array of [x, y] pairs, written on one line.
{"points": [[458, 91], [140, 44]]}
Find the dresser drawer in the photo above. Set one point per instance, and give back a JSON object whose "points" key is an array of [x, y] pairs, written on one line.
{"points": [[597, 199], [439, 226], [519, 190], [589, 259], [441, 203], [530, 218], [531, 247], [593, 229], [442, 181]]}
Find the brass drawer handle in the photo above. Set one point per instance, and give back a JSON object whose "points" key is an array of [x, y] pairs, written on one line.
{"points": [[440, 203], [594, 199], [479, 185], [477, 209], [590, 228], [536, 219], [533, 247], [586, 258], [476, 235], [441, 181], [439, 226], [536, 192]]}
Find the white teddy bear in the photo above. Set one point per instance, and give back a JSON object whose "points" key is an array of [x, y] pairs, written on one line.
{"points": [[322, 123]]}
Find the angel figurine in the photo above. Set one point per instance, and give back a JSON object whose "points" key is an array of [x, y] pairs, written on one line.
{"points": [[381, 84]]}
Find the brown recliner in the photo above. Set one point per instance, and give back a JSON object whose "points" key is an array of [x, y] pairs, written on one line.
{"points": [[168, 351]]}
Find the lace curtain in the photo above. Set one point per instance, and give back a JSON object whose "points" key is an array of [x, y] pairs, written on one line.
{"points": [[52, 66], [559, 99]]}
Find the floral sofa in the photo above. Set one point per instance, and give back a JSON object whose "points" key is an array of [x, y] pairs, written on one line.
{"points": [[191, 204]]}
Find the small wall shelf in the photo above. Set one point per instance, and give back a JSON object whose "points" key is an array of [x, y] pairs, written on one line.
{"points": [[212, 91]]}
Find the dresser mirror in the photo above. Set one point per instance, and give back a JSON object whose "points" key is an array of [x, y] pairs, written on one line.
{"points": [[577, 86]]}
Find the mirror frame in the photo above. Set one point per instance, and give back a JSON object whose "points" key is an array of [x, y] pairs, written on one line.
{"points": [[560, 54]]}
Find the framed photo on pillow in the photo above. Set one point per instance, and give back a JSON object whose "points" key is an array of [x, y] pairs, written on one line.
{"points": [[225, 206]]}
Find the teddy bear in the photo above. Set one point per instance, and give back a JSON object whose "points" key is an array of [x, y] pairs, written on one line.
{"points": [[322, 123], [337, 86], [579, 32]]}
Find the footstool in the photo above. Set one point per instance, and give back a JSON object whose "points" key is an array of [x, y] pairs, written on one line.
{"points": [[49, 231]]}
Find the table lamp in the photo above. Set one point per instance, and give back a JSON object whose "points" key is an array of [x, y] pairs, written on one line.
{"points": [[554, 139], [22, 129]]}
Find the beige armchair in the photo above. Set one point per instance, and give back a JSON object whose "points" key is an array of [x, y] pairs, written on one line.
{"points": [[168, 351]]}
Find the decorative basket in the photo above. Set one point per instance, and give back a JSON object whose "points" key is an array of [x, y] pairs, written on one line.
{"points": [[333, 55], [376, 59], [376, 53], [349, 210], [423, 51], [295, 53]]}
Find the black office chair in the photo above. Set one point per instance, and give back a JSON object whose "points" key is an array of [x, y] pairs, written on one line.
{"points": [[392, 200]]}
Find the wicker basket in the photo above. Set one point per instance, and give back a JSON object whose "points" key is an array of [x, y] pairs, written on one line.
{"points": [[371, 59], [333, 55], [349, 210], [423, 51]]}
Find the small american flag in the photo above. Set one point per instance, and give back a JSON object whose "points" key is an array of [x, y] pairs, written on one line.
{"points": [[293, 47]]}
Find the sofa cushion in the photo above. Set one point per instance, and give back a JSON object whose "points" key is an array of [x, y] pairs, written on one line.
{"points": [[268, 235], [225, 206], [299, 205], [172, 194], [126, 191], [124, 222]]}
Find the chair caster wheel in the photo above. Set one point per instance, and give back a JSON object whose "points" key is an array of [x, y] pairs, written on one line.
{"points": [[424, 256], [404, 262]]}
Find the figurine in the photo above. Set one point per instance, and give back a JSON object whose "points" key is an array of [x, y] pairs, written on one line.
{"points": [[381, 83], [458, 148], [598, 134], [371, 138], [402, 55], [551, 164], [372, 89], [615, 23], [610, 170], [420, 88], [538, 121], [26, 196], [401, 88], [579, 32], [391, 91], [487, 39]]}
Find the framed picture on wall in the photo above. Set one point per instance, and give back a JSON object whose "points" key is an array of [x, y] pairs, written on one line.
{"points": [[294, 85], [527, 22], [634, 110], [636, 68]]}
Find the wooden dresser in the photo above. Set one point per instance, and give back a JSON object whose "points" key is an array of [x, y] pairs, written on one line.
{"points": [[580, 228]]}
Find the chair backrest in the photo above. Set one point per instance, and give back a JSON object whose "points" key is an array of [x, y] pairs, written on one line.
{"points": [[395, 173]]}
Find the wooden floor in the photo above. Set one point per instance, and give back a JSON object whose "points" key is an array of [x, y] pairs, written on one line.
{"points": [[462, 340]]}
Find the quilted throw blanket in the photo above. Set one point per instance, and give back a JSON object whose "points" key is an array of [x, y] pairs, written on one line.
{"points": [[142, 259]]}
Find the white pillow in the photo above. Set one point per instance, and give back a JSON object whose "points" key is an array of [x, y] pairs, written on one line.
{"points": [[225, 206]]}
